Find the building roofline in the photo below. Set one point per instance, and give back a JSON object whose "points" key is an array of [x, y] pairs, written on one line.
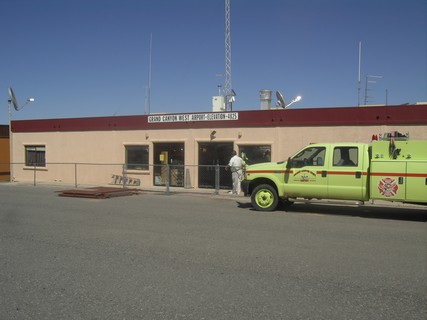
{"points": [[341, 116]]}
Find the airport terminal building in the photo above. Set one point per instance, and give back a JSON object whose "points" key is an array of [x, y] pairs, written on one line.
{"points": [[185, 148]]}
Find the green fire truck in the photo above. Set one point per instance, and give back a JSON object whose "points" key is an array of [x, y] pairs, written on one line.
{"points": [[391, 168]]}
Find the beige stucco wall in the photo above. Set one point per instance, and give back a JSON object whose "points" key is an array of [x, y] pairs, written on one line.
{"points": [[100, 154]]}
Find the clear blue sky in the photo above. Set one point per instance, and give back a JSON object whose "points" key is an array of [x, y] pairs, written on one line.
{"points": [[81, 58]]}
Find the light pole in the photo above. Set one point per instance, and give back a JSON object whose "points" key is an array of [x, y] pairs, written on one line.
{"points": [[10, 101]]}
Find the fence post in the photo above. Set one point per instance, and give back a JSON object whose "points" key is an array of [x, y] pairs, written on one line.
{"points": [[75, 175], [124, 176], [187, 184], [167, 179], [10, 171], [217, 179]]}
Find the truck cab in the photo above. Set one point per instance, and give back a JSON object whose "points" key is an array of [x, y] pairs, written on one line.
{"points": [[328, 171], [318, 171]]}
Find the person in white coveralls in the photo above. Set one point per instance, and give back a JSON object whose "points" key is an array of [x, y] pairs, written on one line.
{"points": [[236, 167]]}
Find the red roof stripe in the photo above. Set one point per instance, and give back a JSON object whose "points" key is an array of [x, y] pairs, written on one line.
{"points": [[389, 115]]}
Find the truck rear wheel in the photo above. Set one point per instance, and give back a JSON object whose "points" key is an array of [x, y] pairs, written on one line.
{"points": [[264, 198]]}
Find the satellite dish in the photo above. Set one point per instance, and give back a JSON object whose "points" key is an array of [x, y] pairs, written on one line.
{"points": [[12, 99], [280, 100]]}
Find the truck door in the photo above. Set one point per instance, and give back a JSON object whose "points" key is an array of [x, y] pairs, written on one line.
{"points": [[346, 179], [303, 177]]}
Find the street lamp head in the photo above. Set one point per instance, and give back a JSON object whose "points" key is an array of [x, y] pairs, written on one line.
{"points": [[12, 100], [296, 99]]}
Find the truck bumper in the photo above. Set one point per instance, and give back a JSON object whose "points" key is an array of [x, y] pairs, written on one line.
{"points": [[245, 187]]}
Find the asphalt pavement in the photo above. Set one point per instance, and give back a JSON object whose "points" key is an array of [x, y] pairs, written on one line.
{"points": [[190, 255]]}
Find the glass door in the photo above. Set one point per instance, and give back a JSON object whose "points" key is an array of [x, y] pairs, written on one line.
{"points": [[211, 154], [169, 156]]}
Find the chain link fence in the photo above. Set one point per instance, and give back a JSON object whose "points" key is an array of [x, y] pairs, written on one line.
{"points": [[161, 177]]}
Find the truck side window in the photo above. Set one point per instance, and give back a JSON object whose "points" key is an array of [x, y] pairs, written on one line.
{"points": [[345, 156], [312, 156]]}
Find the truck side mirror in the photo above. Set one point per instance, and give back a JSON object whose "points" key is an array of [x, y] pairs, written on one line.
{"points": [[289, 163]]}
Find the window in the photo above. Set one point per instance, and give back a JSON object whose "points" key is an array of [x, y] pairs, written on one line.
{"points": [[312, 156], [35, 156], [137, 157], [256, 153], [345, 156]]}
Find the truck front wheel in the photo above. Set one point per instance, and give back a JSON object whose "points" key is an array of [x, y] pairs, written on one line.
{"points": [[264, 198]]}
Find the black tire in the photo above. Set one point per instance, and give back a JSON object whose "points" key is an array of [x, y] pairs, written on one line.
{"points": [[264, 198]]}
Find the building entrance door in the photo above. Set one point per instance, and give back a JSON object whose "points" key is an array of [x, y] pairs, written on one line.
{"points": [[211, 154], [169, 156]]}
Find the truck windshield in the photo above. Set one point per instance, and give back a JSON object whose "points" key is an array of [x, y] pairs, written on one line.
{"points": [[312, 156]]}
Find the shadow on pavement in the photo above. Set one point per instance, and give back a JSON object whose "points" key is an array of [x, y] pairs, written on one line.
{"points": [[410, 213]]}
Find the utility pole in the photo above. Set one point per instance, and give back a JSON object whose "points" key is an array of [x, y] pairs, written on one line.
{"points": [[148, 89]]}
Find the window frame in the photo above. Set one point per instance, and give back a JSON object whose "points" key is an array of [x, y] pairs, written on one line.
{"points": [[137, 166], [309, 157], [250, 158], [32, 159], [354, 157]]}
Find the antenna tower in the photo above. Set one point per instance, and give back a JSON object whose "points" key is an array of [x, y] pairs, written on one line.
{"points": [[228, 95]]}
